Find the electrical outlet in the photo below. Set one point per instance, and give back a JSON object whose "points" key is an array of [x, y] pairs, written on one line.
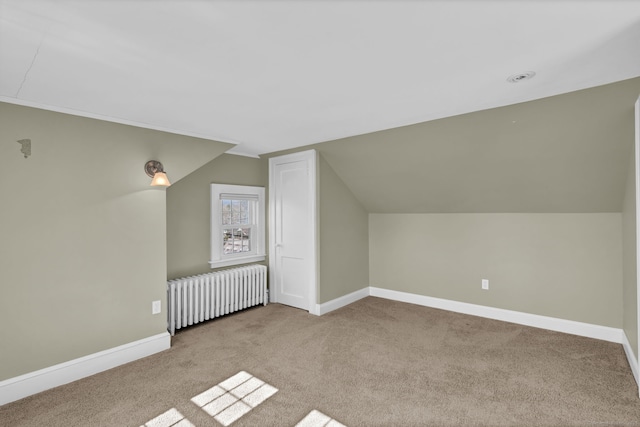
{"points": [[156, 307], [485, 284]]}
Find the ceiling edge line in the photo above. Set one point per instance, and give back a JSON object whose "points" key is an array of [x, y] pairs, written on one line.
{"points": [[104, 118]]}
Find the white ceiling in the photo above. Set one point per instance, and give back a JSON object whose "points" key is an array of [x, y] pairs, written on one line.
{"points": [[273, 75]]}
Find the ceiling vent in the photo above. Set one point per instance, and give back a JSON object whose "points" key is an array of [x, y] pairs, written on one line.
{"points": [[521, 76]]}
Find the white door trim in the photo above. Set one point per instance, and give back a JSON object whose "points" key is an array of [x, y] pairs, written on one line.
{"points": [[311, 158], [637, 195]]}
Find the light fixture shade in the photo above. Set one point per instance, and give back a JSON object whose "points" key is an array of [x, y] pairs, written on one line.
{"points": [[160, 179], [155, 170]]}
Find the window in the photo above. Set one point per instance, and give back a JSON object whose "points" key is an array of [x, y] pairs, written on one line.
{"points": [[237, 224]]}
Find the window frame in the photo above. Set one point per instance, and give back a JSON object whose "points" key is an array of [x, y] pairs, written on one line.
{"points": [[255, 195]]}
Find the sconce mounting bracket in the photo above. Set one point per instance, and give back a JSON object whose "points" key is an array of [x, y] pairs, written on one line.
{"points": [[152, 167]]}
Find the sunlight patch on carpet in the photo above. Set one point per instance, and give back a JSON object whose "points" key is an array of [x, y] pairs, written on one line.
{"points": [[171, 418], [234, 397], [318, 419]]}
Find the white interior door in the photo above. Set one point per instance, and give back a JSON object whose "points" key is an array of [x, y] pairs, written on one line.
{"points": [[292, 231]]}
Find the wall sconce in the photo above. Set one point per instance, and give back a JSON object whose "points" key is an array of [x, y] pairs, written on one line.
{"points": [[154, 169]]}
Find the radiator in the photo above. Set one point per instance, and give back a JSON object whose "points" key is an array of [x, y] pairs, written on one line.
{"points": [[191, 300]]}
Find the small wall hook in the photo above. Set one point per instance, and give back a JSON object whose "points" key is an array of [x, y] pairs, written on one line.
{"points": [[26, 147]]}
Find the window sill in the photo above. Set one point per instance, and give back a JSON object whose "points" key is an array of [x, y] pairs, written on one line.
{"points": [[236, 261]]}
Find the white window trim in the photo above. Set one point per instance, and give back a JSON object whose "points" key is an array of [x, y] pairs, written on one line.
{"points": [[218, 258]]}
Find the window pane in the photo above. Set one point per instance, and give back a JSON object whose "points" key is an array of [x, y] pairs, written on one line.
{"points": [[226, 212], [236, 240], [236, 212], [244, 212], [227, 241], [246, 240]]}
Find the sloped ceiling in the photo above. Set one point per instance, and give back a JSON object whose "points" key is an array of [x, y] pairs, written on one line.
{"points": [[272, 75], [567, 153]]}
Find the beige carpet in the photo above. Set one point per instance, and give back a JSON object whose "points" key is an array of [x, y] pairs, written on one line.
{"points": [[373, 363]]}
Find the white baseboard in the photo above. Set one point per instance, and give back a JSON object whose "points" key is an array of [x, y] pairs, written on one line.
{"points": [[63, 373], [632, 359], [341, 301], [551, 323]]}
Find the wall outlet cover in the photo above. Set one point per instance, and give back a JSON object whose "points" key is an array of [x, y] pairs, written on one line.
{"points": [[485, 284], [156, 307]]}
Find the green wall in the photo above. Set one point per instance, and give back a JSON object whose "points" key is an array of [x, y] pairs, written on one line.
{"points": [[343, 235], [629, 240], [566, 266], [82, 234], [189, 211], [563, 154]]}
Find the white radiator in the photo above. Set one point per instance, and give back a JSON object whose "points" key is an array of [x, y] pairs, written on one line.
{"points": [[195, 299]]}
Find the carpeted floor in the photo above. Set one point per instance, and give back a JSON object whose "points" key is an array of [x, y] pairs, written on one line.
{"points": [[373, 363]]}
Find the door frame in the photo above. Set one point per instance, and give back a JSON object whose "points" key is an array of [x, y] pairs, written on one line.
{"points": [[311, 158], [636, 164]]}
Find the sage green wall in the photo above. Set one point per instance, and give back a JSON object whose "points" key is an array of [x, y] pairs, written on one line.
{"points": [[566, 266], [562, 154], [82, 235], [188, 211], [343, 235], [629, 272]]}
